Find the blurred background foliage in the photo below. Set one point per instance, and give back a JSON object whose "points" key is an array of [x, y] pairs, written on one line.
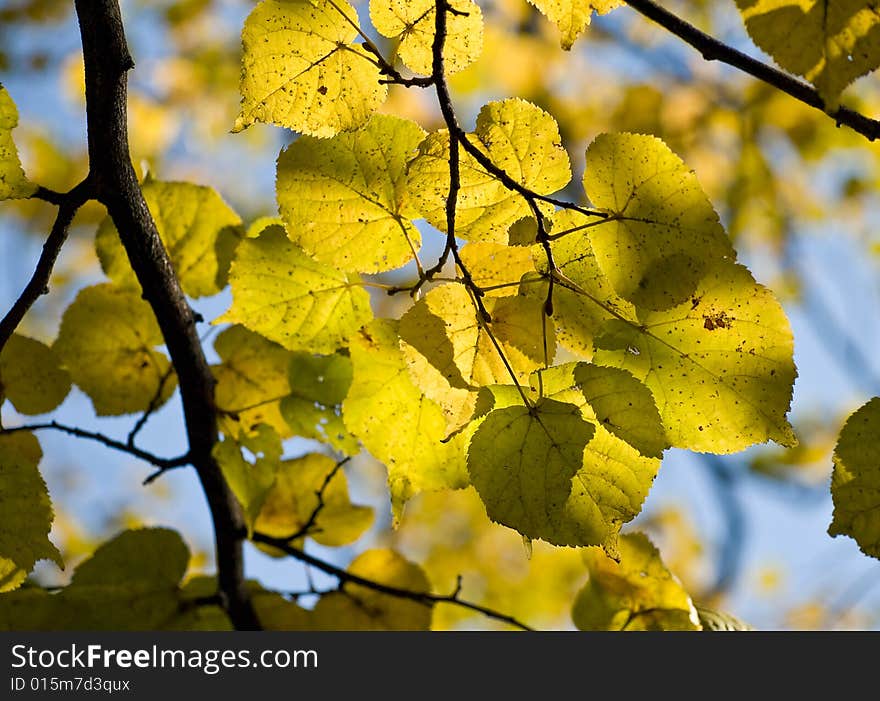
{"points": [[798, 195]]}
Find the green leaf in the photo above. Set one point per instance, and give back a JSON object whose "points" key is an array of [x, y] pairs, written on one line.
{"points": [[250, 480], [301, 68], [130, 583], [157, 557], [291, 299], [344, 199], [719, 365], [829, 42], [359, 608], [854, 483], [277, 613], [13, 183], [118, 367], [293, 499], [199, 231], [31, 376], [712, 620], [412, 21], [444, 327], [27, 510], [636, 593], [252, 379], [318, 385], [520, 139], [524, 461], [573, 17], [393, 419], [663, 233]]}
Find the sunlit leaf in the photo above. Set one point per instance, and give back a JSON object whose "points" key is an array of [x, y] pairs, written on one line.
{"points": [[412, 21], [636, 593], [573, 17], [358, 608], [520, 139], [302, 69], [13, 183], [291, 299], [199, 230], [344, 199]]}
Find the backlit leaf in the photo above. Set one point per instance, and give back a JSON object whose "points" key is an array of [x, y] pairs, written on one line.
{"points": [[393, 419], [252, 379], [636, 593], [573, 17], [663, 233], [495, 268], [413, 22], [719, 365], [344, 200], [107, 342], [13, 183], [520, 139], [854, 483], [27, 510], [293, 499], [31, 376], [359, 608], [829, 42], [200, 232], [318, 384], [301, 68], [291, 299]]}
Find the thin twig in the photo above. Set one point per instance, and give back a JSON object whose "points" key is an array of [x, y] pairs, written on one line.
{"points": [[151, 407], [714, 50], [68, 205], [308, 528], [424, 598], [161, 463]]}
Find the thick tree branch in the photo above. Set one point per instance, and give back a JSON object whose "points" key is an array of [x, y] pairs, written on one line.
{"points": [[714, 50], [161, 463], [68, 205], [424, 598], [107, 61]]}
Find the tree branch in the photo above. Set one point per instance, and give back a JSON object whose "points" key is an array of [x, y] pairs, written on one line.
{"points": [[424, 598], [161, 463], [714, 50], [68, 205], [107, 61]]}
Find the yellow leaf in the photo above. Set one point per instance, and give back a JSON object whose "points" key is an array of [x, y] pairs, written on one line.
{"points": [[854, 485], [118, 367], [495, 268], [572, 17], [251, 379], [291, 299], [199, 230], [829, 42], [359, 608], [636, 593], [520, 139], [13, 183], [27, 510], [663, 233], [393, 419], [719, 365], [344, 199], [293, 499], [412, 21], [301, 68], [31, 376]]}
